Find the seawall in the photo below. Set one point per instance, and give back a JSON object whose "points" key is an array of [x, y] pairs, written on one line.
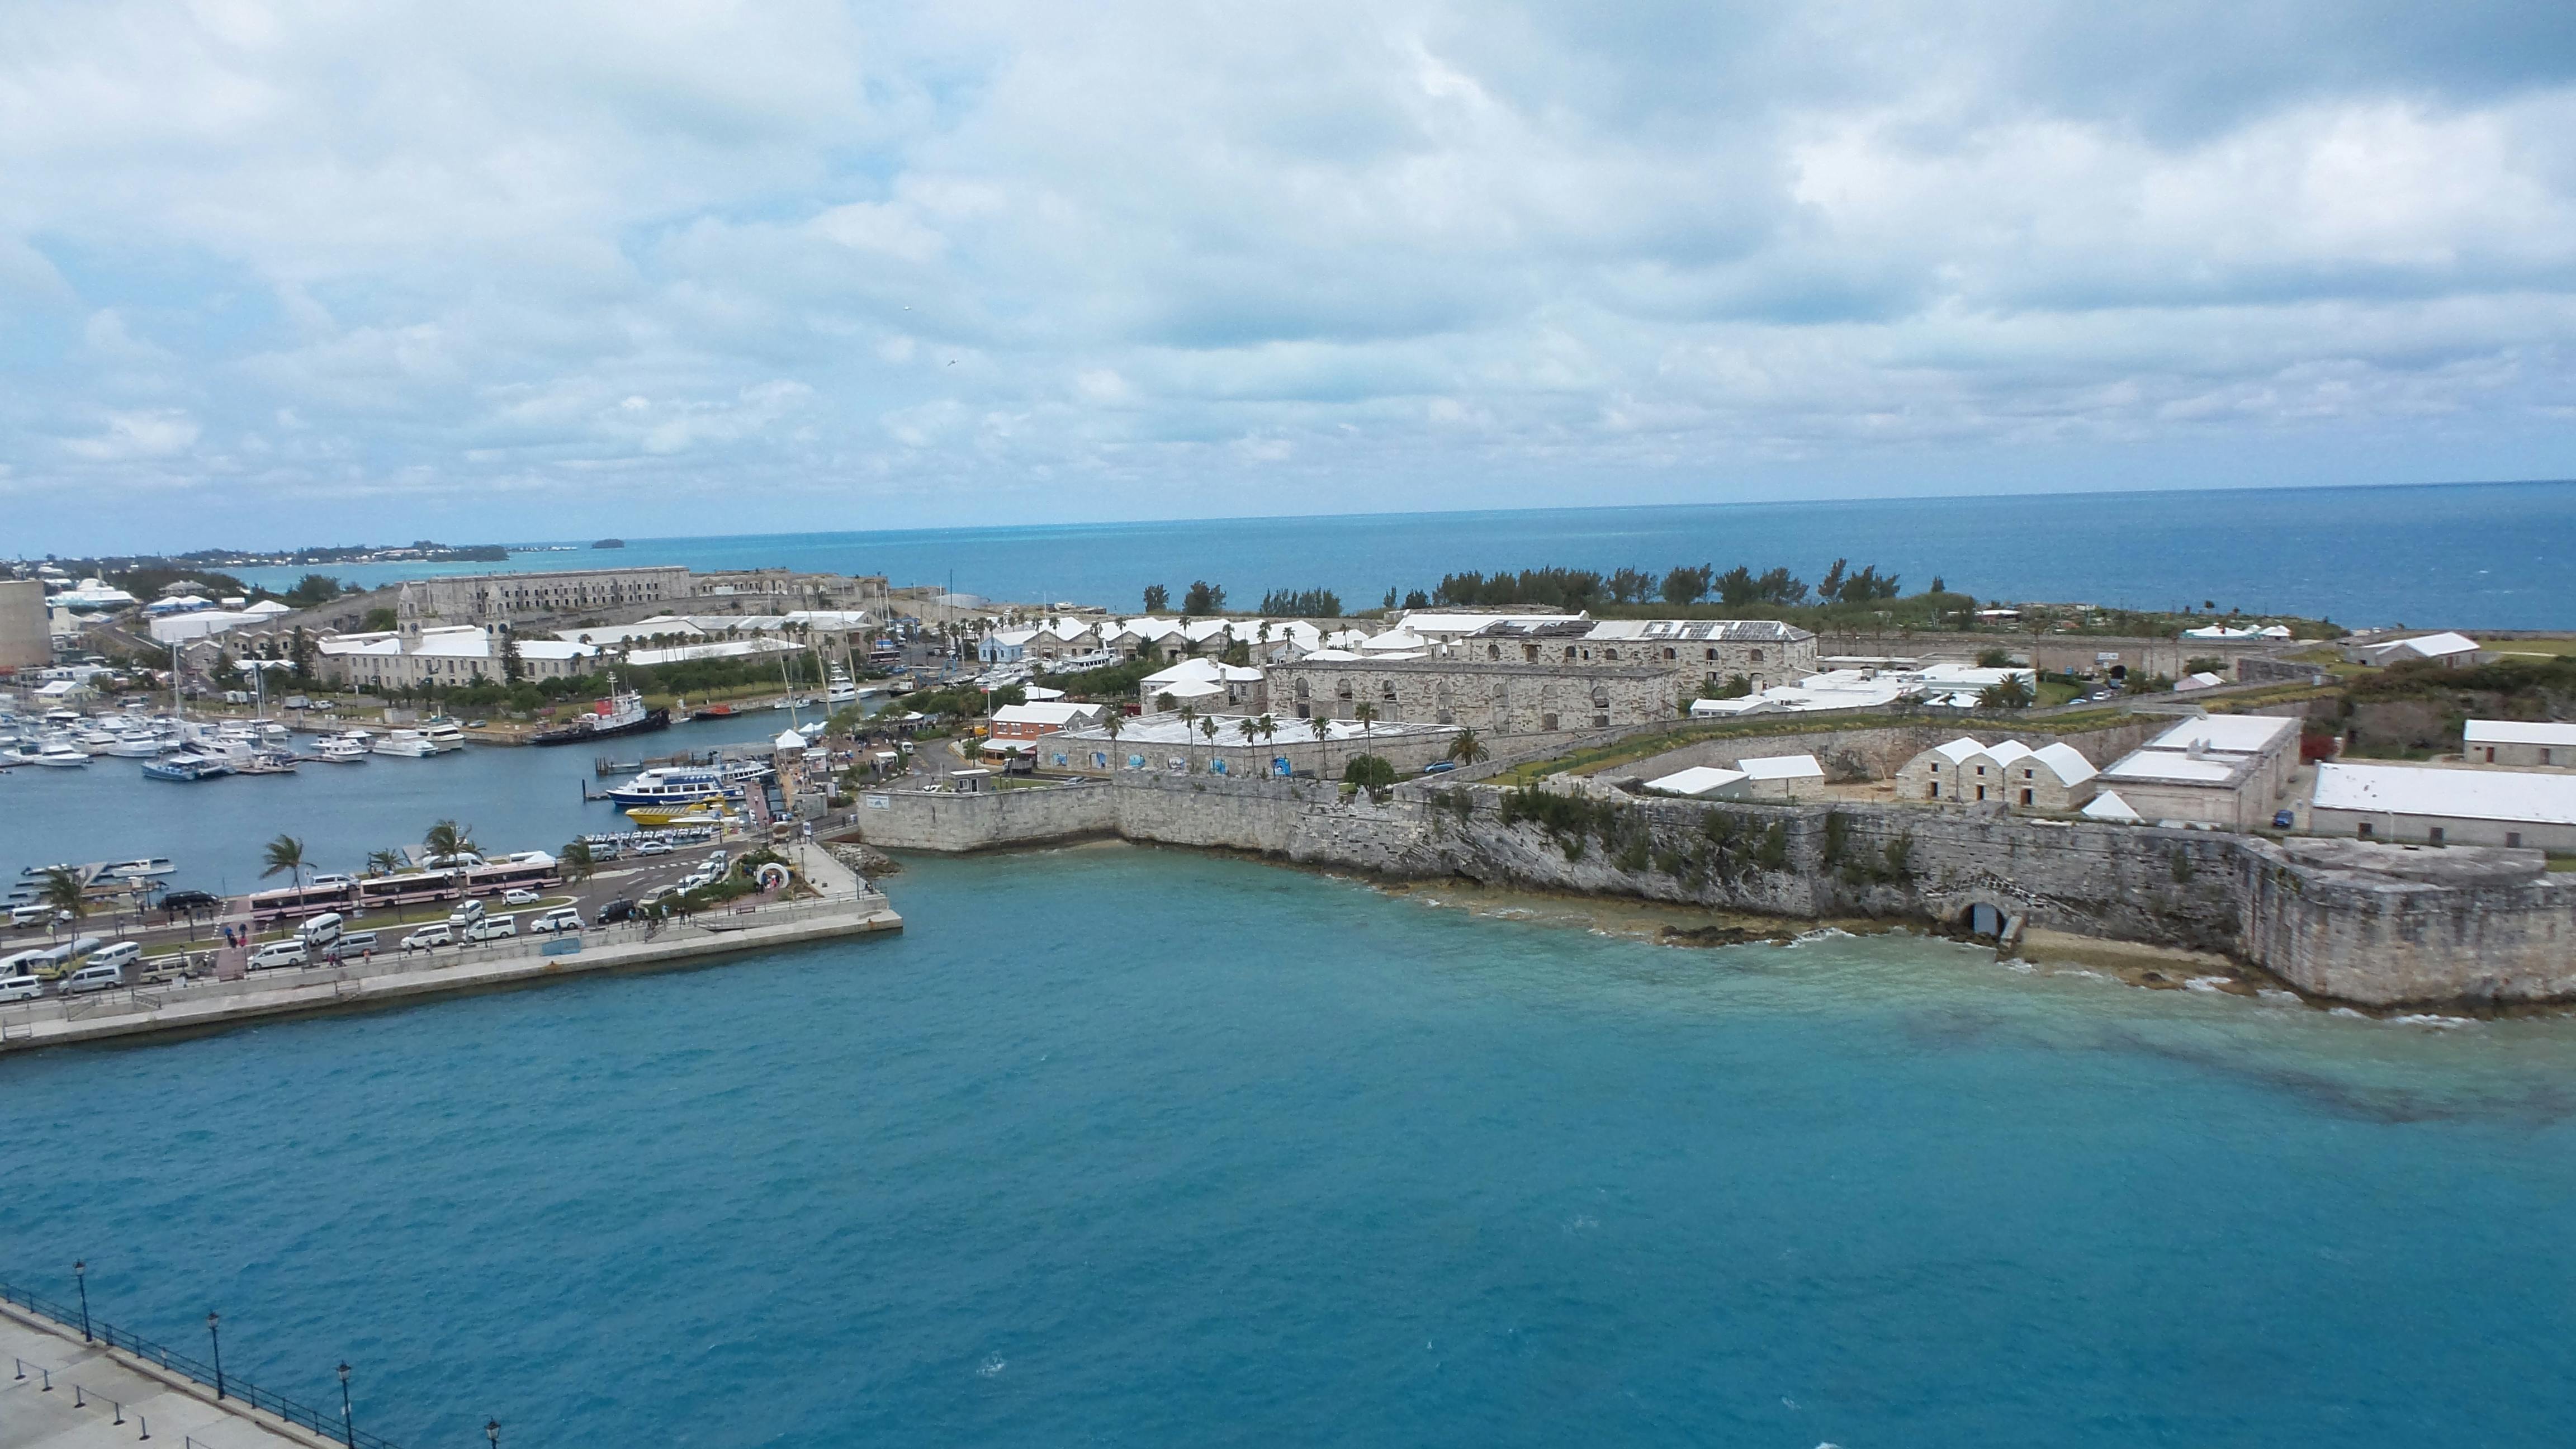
{"points": [[2374, 924]]}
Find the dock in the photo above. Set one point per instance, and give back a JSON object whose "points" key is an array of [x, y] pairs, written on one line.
{"points": [[843, 908], [60, 1392]]}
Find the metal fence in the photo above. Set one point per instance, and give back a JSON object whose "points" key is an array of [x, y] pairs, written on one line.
{"points": [[229, 1386]]}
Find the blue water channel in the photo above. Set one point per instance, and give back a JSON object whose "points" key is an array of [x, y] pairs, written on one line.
{"points": [[1142, 1147]]}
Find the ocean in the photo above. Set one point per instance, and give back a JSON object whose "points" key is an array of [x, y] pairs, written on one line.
{"points": [[2483, 556], [1129, 1146]]}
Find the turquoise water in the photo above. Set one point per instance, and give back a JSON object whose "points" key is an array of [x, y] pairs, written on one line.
{"points": [[1124, 1146], [2469, 556]]}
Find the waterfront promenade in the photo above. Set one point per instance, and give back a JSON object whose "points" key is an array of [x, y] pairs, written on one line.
{"points": [[844, 907], [61, 1393]]}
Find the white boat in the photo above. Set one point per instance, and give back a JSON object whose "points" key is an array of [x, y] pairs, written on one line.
{"points": [[57, 756], [838, 689], [143, 865], [685, 785], [137, 746], [443, 735], [411, 744], [340, 750]]}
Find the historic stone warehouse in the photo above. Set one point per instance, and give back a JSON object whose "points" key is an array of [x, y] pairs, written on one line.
{"points": [[1522, 676], [500, 598]]}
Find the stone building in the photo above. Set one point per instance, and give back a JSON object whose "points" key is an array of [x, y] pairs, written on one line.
{"points": [[503, 598], [1498, 698], [450, 654], [2437, 806], [2225, 770], [26, 640], [2051, 779], [2518, 742]]}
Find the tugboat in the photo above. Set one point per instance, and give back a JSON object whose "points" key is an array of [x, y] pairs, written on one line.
{"points": [[622, 713]]}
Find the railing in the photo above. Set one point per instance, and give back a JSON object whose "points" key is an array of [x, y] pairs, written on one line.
{"points": [[226, 1386]]}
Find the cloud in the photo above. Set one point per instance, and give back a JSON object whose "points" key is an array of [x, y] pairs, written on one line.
{"points": [[619, 259]]}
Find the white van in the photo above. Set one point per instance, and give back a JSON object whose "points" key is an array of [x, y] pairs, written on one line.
{"points": [[561, 918], [492, 928], [289, 952], [20, 988], [357, 943], [436, 933], [122, 954], [21, 963], [94, 978], [322, 930], [28, 915], [465, 914]]}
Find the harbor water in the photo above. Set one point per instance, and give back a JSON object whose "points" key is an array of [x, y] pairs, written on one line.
{"points": [[1143, 1147]]}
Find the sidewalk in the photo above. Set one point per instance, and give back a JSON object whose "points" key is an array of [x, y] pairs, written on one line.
{"points": [[93, 1389]]}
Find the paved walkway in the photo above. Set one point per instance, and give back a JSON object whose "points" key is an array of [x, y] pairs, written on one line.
{"points": [[93, 1390]]}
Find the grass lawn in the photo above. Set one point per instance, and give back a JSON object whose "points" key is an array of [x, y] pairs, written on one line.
{"points": [[2532, 648]]}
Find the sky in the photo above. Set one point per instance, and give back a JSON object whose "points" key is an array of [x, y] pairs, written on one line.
{"points": [[277, 273]]}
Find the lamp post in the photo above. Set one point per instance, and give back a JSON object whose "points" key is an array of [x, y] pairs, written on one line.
{"points": [[348, 1425], [80, 1275], [213, 1333], [492, 1431]]}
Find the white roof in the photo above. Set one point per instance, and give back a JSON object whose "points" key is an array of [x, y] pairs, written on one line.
{"points": [[1039, 693], [1782, 767], [2006, 752], [1201, 671], [2234, 734], [1442, 625], [2203, 680], [2173, 767], [2109, 806], [1959, 749], [2511, 796], [1058, 715], [1393, 641], [2517, 732], [268, 606], [1183, 691], [2064, 761], [789, 740], [2221, 631], [1697, 780], [1012, 638], [2434, 646]]}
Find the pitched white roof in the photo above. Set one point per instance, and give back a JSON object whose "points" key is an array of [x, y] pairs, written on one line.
{"points": [[1959, 749], [2006, 752], [1782, 767], [2064, 761], [1697, 780], [2511, 796], [2173, 767], [2517, 732], [1058, 715], [2434, 646], [2109, 806]]}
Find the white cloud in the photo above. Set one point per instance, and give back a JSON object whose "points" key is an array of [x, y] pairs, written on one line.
{"points": [[416, 252]]}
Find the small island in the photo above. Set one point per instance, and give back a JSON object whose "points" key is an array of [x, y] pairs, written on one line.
{"points": [[610, 543]]}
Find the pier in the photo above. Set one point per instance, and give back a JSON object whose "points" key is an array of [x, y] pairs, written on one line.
{"points": [[61, 1391], [844, 907]]}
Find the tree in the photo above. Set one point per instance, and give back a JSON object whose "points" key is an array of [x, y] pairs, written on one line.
{"points": [[1203, 598], [2013, 693], [1371, 773], [446, 840], [513, 668], [61, 892], [1366, 714], [301, 653], [1994, 659], [1157, 598], [284, 856], [1269, 736], [1322, 724], [379, 621], [1250, 729], [1466, 749], [576, 862], [313, 589], [1685, 586], [1208, 727], [384, 862], [1189, 721], [226, 674], [1830, 587], [1113, 724], [1630, 586]]}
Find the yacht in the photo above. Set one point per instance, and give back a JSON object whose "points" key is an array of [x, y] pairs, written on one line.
{"points": [[55, 754], [143, 866], [340, 750], [443, 735], [838, 689], [137, 745], [411, 744], [184, 768]]}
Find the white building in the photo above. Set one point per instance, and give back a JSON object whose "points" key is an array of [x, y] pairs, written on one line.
{"points": [[452, 654], [2220, 769], [2451, 651], [2518, 742], [2438, 806]]}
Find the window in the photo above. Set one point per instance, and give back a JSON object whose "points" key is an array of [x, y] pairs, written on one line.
{"points": [[1757, 656], [2364, 830], [1669, 653], [1386, 691], [1569, 653], [1610, 654], [1712, 654], [1301, 711], [2435, 835], [1547, 721], [1493, 651], [2513, 839], [1601, 721]]}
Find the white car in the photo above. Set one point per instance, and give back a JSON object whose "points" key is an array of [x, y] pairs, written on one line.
{"points": [[561, 918], [435, 934], [289, 952], [654, 847], [20, 988], [518, 896]]}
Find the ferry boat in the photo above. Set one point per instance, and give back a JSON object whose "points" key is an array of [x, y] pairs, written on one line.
{"points": [[340, 750], [622, 713], [409, 744], [685, 785], [443, 735], [184, 769]]}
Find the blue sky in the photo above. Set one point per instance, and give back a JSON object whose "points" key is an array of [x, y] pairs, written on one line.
{"points": [[300, 272]]}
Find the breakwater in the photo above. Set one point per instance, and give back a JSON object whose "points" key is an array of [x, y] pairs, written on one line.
{"points": [[2374, 924]]}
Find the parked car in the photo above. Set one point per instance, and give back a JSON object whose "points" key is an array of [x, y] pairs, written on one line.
{"points": [[561, 918], [322, 930], [604, 852], [289, 952], [178, 901], [435, 934], [492, 928], [355, 943], [24, 916], [94, 978], [519, 896], [476, 724], [2284, 820], [465, 914], [617, 910], [20, 988], [1439, 767], [656, 896], [123, 953], [654, 847]]}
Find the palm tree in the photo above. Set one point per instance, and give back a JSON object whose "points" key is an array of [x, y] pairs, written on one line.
{"points": [[447, 840], [1189, 717], [576, 862], [1250, 728], [1467, 749], [62, 891], [1207, 727], [1112, 724], [284, 856], [1366, 714], [384, 862], [1269, 734], [1323, 727]]}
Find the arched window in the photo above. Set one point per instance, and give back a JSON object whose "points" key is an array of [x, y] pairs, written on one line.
{"points": [[1301, 689], [1493, 651], [1600, 697], [1386, 690], [1609, 653]]}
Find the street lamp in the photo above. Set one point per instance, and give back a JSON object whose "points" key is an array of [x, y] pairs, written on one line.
{"points": [[348, 1425], [492, 1431], [212, 1319], [80, 1275]]}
